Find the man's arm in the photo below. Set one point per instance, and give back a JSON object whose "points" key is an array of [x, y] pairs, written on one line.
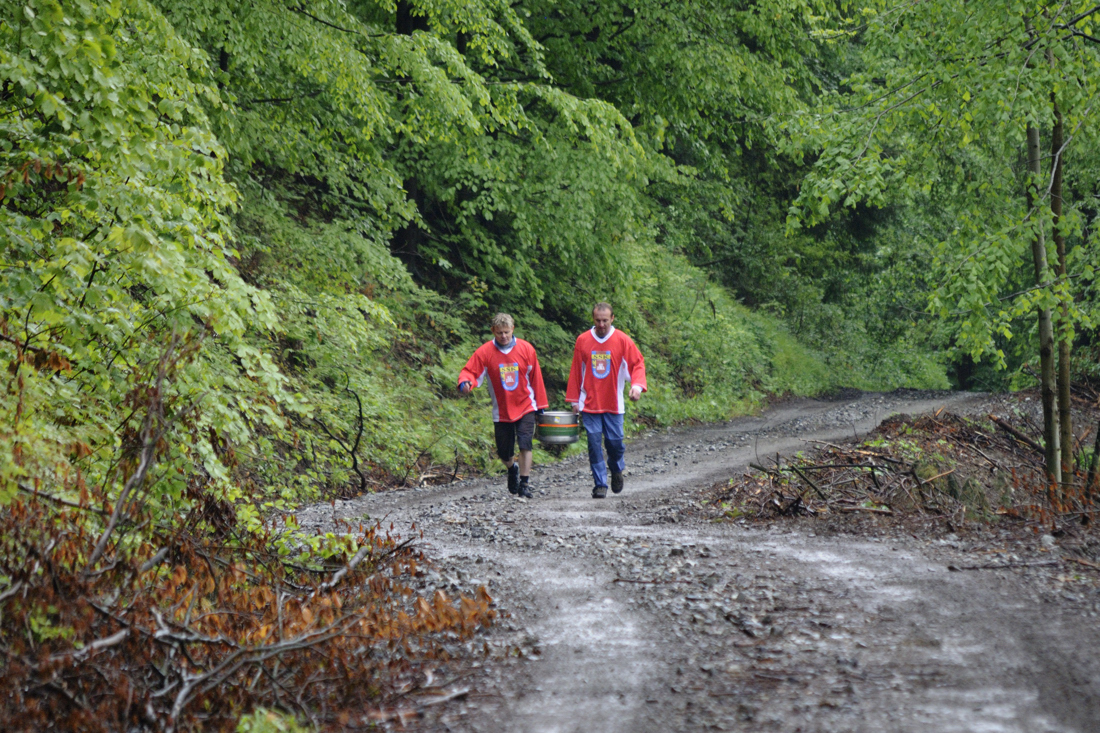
{"points": [[541, 402], [471, 374], [635, 362], [576, 376]]}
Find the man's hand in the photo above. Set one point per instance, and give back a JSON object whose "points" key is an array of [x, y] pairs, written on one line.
{"points": [[576, 408], [635, 392], [465, 388]]}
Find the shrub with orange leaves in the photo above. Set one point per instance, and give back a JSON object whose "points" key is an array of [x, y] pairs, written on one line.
{"points": [[192, 632]]}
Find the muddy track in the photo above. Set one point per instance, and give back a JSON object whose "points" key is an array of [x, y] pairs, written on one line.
{"points": [[629, 615]]}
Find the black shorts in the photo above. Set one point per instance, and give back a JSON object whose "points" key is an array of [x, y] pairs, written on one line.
{"points": [[507, 433]]}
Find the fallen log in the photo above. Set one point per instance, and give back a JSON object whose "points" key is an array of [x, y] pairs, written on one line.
{"points": [[1016, 433]]}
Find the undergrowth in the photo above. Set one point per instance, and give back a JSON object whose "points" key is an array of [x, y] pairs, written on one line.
{"points": [[194, 629], [943, 466]]}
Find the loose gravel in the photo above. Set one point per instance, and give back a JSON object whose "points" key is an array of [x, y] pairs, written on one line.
{"points": [[636, 613]]}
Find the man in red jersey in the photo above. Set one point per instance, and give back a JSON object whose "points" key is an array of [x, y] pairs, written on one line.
{"points": [[515, 381], [604, 360]]}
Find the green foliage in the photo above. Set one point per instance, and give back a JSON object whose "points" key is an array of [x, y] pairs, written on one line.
{"points": [[114, 214], [934, 120], [284, 228]]}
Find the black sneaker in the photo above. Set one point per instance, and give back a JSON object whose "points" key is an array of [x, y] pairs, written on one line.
{"points": [[525, 489], [600, 492], [616, 483], [513, 479]]}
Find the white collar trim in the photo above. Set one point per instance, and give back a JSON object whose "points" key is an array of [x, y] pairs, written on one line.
{"points": [[605, 338]]}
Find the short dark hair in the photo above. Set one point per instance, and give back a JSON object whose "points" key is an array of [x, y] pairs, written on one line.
{"points": [[602, 306]]}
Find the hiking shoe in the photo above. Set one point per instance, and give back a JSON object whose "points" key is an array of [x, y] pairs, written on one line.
{"points": [[616, 483], [513, 479], [600, 492], [525, 490]]}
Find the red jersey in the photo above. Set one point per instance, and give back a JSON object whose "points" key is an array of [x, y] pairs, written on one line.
{"points": [[514, 376], [601, 367]]}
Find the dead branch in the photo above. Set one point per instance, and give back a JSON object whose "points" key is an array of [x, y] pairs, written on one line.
{"points": [[77, 654], [823, 466], [938, 475], [59, 500], [339, 575], [888, 459], [152, 562], [1086, 563], [446, 698], [814, 486], [11, 591], [1048, 563], [1016, 433], [868, 509]]}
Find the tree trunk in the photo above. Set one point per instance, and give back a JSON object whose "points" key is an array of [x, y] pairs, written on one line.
{"points": [[406, 241], [1046, 328], [1065, 328], [406, 21]]}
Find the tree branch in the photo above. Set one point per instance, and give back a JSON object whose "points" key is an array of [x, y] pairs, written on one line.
{"points": [[302, 11], [1078, 18], [281, 100], [152, 431]]}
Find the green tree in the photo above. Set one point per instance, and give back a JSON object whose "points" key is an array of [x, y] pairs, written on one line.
{"points": [[951, 99], [116, 241]]}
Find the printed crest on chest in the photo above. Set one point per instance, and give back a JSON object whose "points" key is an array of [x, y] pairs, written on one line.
{"points": [[601, 363], [509, 376]]}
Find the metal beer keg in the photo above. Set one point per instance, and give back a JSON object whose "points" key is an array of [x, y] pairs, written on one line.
{"points": [[558, 428]]}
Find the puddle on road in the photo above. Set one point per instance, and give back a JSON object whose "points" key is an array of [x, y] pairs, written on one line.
{"points": [[602, 691]]}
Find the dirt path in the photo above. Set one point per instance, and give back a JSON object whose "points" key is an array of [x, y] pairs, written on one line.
{"points": [[629, 615]]}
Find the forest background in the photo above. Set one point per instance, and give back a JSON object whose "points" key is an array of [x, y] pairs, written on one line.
{"points": [[248, 244]]}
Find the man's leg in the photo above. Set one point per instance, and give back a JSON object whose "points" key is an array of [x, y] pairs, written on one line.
{"points": [[593, 428], [616, 449], [525, 432], [505, 435]]}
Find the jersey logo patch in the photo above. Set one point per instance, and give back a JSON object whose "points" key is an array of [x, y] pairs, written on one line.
{"points": [[601, 363], [509, 376]]}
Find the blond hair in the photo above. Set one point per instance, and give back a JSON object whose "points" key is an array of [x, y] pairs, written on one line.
{"points": [[503, 319]]}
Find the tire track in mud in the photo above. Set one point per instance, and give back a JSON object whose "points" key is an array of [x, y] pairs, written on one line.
{"points": [[720, 627]]}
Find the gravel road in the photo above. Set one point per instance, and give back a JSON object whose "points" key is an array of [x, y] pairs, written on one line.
{"points": [[631, 614]]}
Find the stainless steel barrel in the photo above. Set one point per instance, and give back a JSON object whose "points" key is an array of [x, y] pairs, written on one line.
{"points": [[558, 428]]}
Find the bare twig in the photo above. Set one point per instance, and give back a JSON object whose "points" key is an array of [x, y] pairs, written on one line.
{"points": [[1086, 563], [155, 560], [112, 640], [11, 591], [339, 575], [814, 486], [59, 500]]}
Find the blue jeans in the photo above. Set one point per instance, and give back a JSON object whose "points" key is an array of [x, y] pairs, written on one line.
{"points": [[608, 428]]}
